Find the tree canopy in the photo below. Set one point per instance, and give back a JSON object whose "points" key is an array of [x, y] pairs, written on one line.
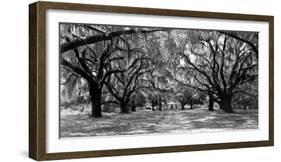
{"points": [[120, 65]]}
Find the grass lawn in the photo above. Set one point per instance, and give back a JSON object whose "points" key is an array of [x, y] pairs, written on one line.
{"points": [[147, 122]]}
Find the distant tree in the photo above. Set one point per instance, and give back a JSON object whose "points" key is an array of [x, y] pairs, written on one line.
{"points": [[123, 85], [246, 96], [138, 99], [188, 96], [157, 99]]}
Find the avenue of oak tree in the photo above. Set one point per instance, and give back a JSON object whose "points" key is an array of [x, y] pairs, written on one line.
{"points": [[129, 69]]}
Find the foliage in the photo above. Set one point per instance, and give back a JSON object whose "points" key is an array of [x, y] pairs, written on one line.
{"points": [[137, 66]]}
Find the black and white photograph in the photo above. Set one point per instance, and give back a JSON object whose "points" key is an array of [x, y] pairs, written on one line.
{"points": [[136, 80]]}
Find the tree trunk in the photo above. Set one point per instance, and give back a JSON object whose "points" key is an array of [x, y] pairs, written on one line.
{"points": [[124, 107], [226, 104], [153, 104], [172, 107], [153, 109], [182, 106], [133, 107], [211, 103], [191, 106], [220, 106], [95, 95], [160, 104]]}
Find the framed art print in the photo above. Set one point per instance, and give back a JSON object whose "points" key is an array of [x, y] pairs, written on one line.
{"points": [[111, 80]]}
